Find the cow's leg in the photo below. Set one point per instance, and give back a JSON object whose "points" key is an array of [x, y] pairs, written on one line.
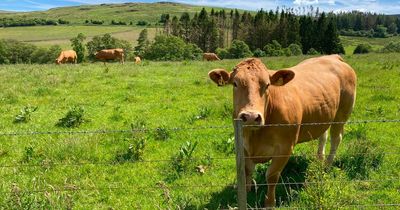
{"points": [[336, 136], [274, 171], [249, 168], [321, 145]]}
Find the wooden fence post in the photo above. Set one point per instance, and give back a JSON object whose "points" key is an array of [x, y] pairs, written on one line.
{"points": [[240, 165]]}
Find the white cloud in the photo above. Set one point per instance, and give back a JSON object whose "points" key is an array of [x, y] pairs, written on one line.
{"points": [[305, 2]]}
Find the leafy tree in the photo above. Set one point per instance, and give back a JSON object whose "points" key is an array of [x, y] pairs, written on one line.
{"points": [[381, 31], [273, 49], [143, 43], [239, 49], [222, 53], [295, 49], [78, 46], [171, 48]]}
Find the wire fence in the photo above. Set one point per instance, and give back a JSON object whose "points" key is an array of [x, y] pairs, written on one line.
{"points": [[113, 186]]}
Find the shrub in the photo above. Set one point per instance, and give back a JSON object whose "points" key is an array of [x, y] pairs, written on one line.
{"points": [[239, 49], [25, 114], [73, 118], [381, 31], [391, 47], [312, 51], [362, 49], [161, 133], [78, 46], [258, 53], [134, 152], [222, 53], [273, 49], [141, 23], [171, 48], [295, 49], [182, 161]]}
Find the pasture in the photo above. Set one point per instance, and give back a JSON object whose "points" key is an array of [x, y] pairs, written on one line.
{"points": [[98, 171], [46, 36]]}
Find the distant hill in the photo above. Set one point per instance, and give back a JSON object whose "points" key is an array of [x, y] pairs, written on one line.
{"points": [[126, 12]]}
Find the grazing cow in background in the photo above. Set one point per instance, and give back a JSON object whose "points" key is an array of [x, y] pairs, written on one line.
{"points": [[321, 90], [137, 60], [110, 54], [210, 57], [67, 56]]}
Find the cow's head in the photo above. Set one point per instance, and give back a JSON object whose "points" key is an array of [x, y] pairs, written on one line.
{"points": [[251, 82], [58, 61]]}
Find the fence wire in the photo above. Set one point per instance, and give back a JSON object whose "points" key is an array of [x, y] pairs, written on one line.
{"points": [[116, 163], [105, 131]]}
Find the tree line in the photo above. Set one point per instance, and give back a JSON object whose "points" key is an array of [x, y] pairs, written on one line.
{"points": [[11, 22], [218, 29]]}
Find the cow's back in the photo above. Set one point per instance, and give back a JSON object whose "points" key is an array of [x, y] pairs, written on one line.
{"points": [[323, 90]]}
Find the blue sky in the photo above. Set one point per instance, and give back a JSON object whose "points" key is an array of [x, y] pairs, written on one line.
{"points": [[380, 6]]}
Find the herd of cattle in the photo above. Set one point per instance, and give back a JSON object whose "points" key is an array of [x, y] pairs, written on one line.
{"points": [[307, 97], [70, 56]]}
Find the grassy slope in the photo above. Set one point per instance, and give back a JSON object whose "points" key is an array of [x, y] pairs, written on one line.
{"points": [[61, 35], [127, 12], [160, 94]]}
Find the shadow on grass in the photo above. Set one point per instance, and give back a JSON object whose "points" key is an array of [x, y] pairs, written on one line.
{"points": [[290, 184]]}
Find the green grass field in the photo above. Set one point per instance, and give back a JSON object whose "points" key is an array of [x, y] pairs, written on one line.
{"points": [[350, 43], [94, 170]]}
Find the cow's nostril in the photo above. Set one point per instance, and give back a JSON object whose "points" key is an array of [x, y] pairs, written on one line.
{"points": [[243, 117], [258, 119]]}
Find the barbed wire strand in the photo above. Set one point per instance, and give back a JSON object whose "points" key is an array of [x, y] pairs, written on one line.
{"points": [[104, 131], [124, 187], [116, 163]]}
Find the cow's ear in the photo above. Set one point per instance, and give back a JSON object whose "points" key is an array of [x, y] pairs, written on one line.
{"points": [[219, 76], [281, 77]]}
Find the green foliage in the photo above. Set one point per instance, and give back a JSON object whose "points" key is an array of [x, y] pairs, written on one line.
{"points": [[134, 152], [13, 52], [203, 113], [239, 49], [25, 114], [380, 32], [391, 47], [226, 146], [324, 190], [161, 133], [222, 53], [79, 47], [171, 48], [143, 43], [295, 49], [362, 49], [13, 22], [259, 53], [183, 160], [312, 51], [362, 155], [73, 118], [273, 49], [107, 42]]}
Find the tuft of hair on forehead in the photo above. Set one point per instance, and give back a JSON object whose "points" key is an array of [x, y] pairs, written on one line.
{"points": [[251, 63]]}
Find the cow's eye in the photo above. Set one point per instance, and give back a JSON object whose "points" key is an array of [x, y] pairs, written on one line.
{"points": [[264, 88]]}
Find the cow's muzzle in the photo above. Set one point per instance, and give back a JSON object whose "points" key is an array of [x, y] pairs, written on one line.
{"points": [[251, 118]]}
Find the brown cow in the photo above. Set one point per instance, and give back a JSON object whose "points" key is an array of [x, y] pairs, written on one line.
{"points": [[137, 60], [210, 57], [67, 56], [110, 54], [319, 89]]}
